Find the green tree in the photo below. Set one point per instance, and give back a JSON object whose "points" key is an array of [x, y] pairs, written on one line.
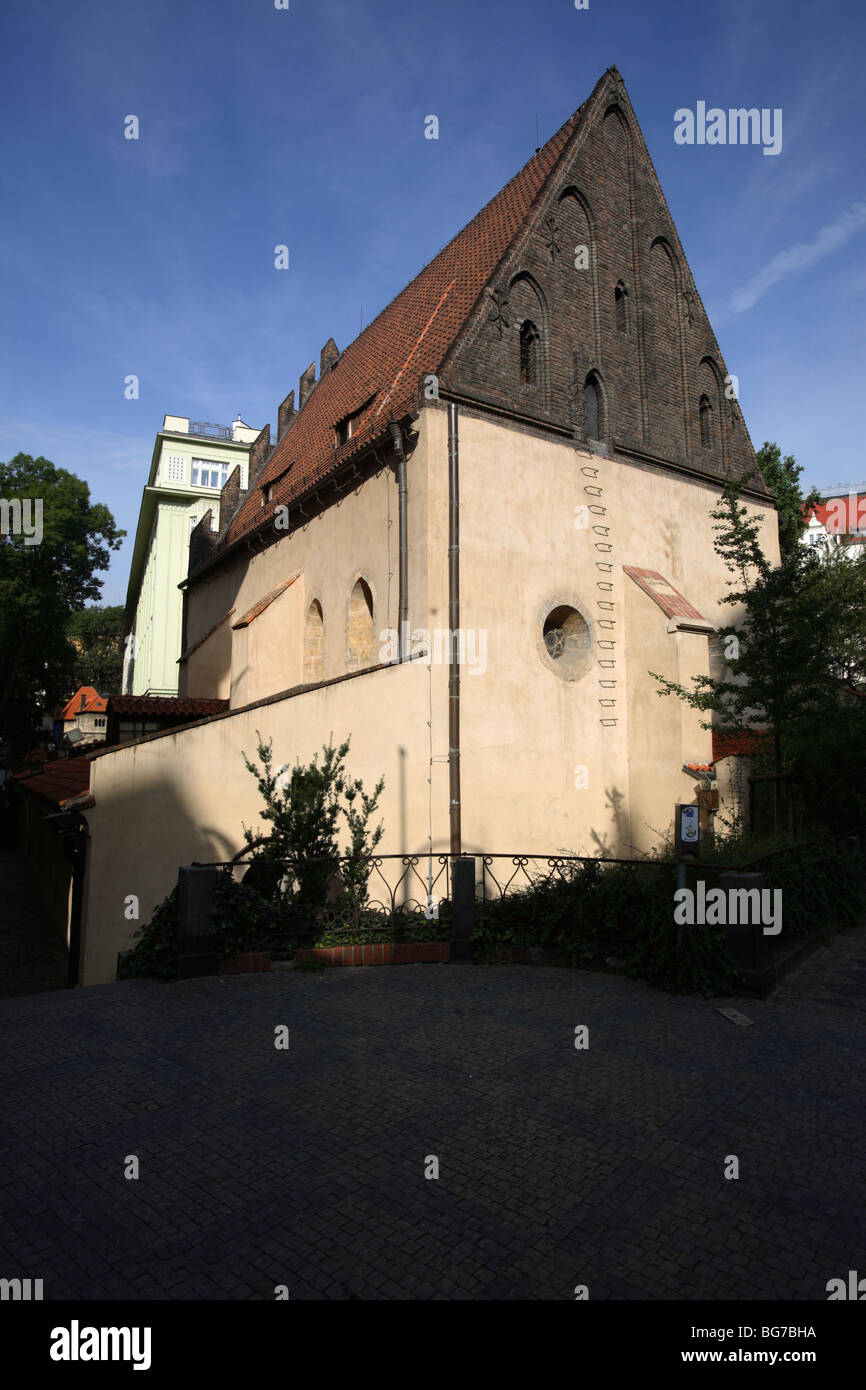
{"points": [[782, 476], [304, 806], [41, 585], [793, 652], [96, 634]]}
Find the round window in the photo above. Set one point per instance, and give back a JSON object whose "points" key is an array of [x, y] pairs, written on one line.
{"points": [[567, 642]]}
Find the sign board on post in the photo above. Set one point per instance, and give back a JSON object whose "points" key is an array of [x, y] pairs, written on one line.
{"points": [[687, 830]]}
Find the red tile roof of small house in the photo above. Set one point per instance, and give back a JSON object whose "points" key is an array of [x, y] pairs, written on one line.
{"points": [[744, 743], [58, 781], [854, 515], [163, 706], [94, 703]]}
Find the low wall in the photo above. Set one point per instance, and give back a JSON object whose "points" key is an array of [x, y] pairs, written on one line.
{"points": [[185, 796]]}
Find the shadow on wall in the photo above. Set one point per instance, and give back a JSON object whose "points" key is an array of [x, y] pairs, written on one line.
{"points": [[142, 832], [620, 846], [138, 841]]}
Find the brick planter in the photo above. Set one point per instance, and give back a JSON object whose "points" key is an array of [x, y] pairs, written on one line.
{"points": [[381, 953], [250, 963]]}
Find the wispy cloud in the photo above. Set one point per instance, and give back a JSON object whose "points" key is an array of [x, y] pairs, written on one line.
{"points": [[805, 253]]}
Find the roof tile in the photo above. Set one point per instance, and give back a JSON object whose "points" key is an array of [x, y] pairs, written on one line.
{"points": [[410, 336]]}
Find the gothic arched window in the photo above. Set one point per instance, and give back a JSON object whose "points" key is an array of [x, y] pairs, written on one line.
{"points": [[620, 295], [593, 407], [359, 629], [706, 414], [528, 353], [314, 636]]}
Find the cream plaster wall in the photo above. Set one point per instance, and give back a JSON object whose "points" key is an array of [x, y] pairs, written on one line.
{"points": [[185, 795], [529, 739], [527, 734]]}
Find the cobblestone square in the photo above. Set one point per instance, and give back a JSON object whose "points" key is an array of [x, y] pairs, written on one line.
{"points": [[557, 1166]]}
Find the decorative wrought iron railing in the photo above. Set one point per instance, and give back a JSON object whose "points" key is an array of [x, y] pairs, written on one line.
{"points": [[345, 892], [503, 873], [209, 431]]}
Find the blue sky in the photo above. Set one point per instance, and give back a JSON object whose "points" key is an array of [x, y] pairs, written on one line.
{"points": [[306, 127]]}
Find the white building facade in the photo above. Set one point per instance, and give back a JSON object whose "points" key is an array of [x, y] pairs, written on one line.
{"points": [[191, 463]]}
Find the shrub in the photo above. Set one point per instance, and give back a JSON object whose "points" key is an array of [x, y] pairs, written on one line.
{"points": [[243, 921], [304, 806]]}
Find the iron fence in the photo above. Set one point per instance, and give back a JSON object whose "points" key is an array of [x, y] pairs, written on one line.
{"points": [[502, 873], [346, 893], [353, 891]]}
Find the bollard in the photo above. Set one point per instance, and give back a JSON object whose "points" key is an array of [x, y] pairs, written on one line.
{"points": [[196, 947], [463, 904], [746, 941]]}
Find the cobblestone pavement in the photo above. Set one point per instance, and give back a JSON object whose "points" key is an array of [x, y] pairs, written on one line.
{"points": [[557, 1166], [32, 953]]}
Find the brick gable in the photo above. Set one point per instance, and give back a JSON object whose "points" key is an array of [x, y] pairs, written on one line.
{"points": [[655, 365], [592, 183]]}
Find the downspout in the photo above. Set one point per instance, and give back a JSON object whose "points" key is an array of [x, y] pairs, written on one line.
{"points": [[403, 543], [453, 631]]}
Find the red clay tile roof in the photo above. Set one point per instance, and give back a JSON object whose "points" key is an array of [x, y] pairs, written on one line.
{"points": [[161, 705], [93, 704], [57, 781], [746, 743], [843, 516], [669, 599], [411, 336], [36, 757], [263, 603]]}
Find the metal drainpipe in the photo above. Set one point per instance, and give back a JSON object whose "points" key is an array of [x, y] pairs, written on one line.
{"points": [[453, 626], [403, 542]]}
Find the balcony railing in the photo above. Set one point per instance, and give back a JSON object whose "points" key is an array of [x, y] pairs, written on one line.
{"points": [[208, 431]]}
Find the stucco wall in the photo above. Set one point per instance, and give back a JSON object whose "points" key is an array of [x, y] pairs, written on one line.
{"points": [[541, 771], [347, 542], [525, 731], [185, 795]]}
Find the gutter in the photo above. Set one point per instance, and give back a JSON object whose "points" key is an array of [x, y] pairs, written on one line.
{"points": [[454, 626], [396, 433]]}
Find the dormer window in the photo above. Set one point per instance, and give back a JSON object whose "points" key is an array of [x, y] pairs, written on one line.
{"points": [[350, 424]]}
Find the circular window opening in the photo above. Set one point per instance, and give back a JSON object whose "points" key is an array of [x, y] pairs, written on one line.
{"points": [[567, 641]]}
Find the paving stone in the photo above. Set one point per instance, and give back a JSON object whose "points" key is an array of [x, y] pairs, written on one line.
{"points": [[556, 1168]]}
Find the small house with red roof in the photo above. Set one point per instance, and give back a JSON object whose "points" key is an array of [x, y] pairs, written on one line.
{"points": [[83, 718]]}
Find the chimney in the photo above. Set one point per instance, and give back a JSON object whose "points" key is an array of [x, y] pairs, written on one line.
{"points": [[260, 450], [230, 496], [201, 542], [285, 414], [308, 381], [330, 353]]}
